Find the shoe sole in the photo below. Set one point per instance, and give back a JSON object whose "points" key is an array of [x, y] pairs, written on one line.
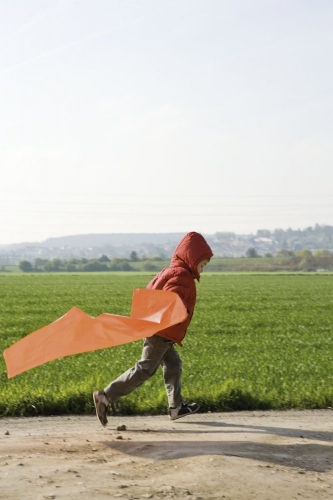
{"points": [[102, 418], [185, 414]]}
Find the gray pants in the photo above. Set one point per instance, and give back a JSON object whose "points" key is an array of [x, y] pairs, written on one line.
{"points": [[156, 352]]}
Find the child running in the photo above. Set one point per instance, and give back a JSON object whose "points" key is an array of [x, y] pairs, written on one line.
{"points": [[187, 263]]}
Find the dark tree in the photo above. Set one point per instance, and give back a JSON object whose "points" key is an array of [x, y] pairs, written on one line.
{"points": [[25, 266], [251, 253], [134, 256]]}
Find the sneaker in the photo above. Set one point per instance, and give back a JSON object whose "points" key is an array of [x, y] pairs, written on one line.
{"points": [[182, 410], [102, 404]]}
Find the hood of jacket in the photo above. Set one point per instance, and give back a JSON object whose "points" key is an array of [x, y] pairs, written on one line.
{"points": [[191, 250]]}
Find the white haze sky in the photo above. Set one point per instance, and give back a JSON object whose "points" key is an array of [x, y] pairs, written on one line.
{"points": [[164, 116]]}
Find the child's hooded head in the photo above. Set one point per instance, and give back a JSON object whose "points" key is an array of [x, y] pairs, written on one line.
{"points": [[192, 250]]}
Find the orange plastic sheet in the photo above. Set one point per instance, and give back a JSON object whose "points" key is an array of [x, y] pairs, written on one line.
{"points": [[77, 332]]}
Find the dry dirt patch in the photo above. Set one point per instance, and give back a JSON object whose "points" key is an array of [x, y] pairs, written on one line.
{"points": [[246, 455]]}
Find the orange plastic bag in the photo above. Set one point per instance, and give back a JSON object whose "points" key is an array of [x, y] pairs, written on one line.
{"points": [[77, 332]]}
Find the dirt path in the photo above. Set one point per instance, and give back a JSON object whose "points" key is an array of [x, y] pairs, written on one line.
{"points": [[247, 455]]}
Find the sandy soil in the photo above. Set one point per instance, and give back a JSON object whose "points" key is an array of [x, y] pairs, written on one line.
{"points": [[246, 455]]}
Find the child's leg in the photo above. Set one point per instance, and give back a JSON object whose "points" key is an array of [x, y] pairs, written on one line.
{"points": [[154, 349], [172, 371]]}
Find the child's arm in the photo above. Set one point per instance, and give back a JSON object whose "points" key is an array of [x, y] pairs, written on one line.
{"points": [[181, 288], [177, 281]]}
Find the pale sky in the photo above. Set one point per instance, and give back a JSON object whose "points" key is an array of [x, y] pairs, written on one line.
{"points": [[164, 116]]}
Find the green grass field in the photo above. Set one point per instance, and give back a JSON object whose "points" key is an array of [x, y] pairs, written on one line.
{"points": [[255, 342]]}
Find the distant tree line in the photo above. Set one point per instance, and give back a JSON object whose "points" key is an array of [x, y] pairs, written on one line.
{"points": [[101, 264], [285, 260], [252, 253]]}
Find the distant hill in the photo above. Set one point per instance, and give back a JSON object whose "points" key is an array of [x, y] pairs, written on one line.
{"points": [[224, 244], [113, 239], [92, 246]]}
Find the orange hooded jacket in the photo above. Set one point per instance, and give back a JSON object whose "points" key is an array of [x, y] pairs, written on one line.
{"points": [[180, 277]]}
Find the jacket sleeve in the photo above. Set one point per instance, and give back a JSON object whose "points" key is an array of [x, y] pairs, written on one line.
{"points": [[180, 286], [177, 281]]}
